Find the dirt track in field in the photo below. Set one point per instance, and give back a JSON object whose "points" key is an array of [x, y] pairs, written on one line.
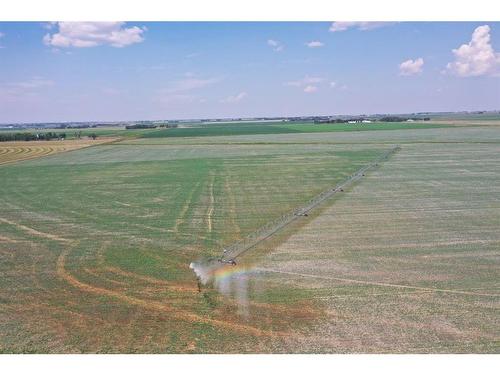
{"points": [[154, 305], [34, 232]]}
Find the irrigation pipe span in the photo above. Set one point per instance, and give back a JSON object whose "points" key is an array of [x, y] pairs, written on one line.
{"points": [[236, 249]]}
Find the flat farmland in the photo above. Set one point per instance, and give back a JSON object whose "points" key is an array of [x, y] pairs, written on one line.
{"points": [[250, 128], [95, 245], [16, 151], [408, 261]]}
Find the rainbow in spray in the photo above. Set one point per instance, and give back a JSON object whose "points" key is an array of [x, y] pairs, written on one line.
{"points": [[233, 282], [230, 281]]}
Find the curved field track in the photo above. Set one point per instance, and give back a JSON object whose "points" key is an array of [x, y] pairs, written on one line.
{"points": [[11, 152]]}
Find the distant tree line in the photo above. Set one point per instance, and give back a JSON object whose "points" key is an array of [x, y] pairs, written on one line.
{"points": [[402, 119], [339, 120], [150, 126], [361, 119], [84, 126], [141, 126], [31, 136], [8, 137]]}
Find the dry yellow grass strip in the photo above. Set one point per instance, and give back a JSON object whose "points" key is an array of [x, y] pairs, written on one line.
{"points": [[11, 152]]}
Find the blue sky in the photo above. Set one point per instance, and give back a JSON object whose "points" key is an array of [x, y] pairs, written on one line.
{"points": [[133, 71]]}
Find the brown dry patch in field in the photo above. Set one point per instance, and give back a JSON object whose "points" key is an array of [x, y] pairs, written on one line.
{"points": [[406, 323], [174, 313], [11, 152]]}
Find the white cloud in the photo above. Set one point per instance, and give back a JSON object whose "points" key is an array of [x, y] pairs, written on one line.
{"points": [[308, 84], [315, 44], [276, 45], [181, 90], [333, 84], [91, 34], [363, 26], [305, 81], [234, 98], [476, 58], [411, 67], [310, 88]]}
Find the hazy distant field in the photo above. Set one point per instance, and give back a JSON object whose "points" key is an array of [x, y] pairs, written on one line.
{"points": [[282, 127], [236, 128], [95, 244]]}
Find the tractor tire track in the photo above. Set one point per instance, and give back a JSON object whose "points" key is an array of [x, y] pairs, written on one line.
{"points": [[154, 305], [185, 208], [34, 231], [211, 204]]}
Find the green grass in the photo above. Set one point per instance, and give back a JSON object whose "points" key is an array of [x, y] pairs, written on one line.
{"points": [[240, 128], [131, 216], [146, 211], [280, 128]]}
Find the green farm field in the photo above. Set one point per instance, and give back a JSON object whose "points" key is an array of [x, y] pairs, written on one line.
{"points": [[237, 128], [243, 128], [96, 243]]}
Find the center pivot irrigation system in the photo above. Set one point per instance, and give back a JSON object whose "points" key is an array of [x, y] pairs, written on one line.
{"points": [[233, 251]]}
